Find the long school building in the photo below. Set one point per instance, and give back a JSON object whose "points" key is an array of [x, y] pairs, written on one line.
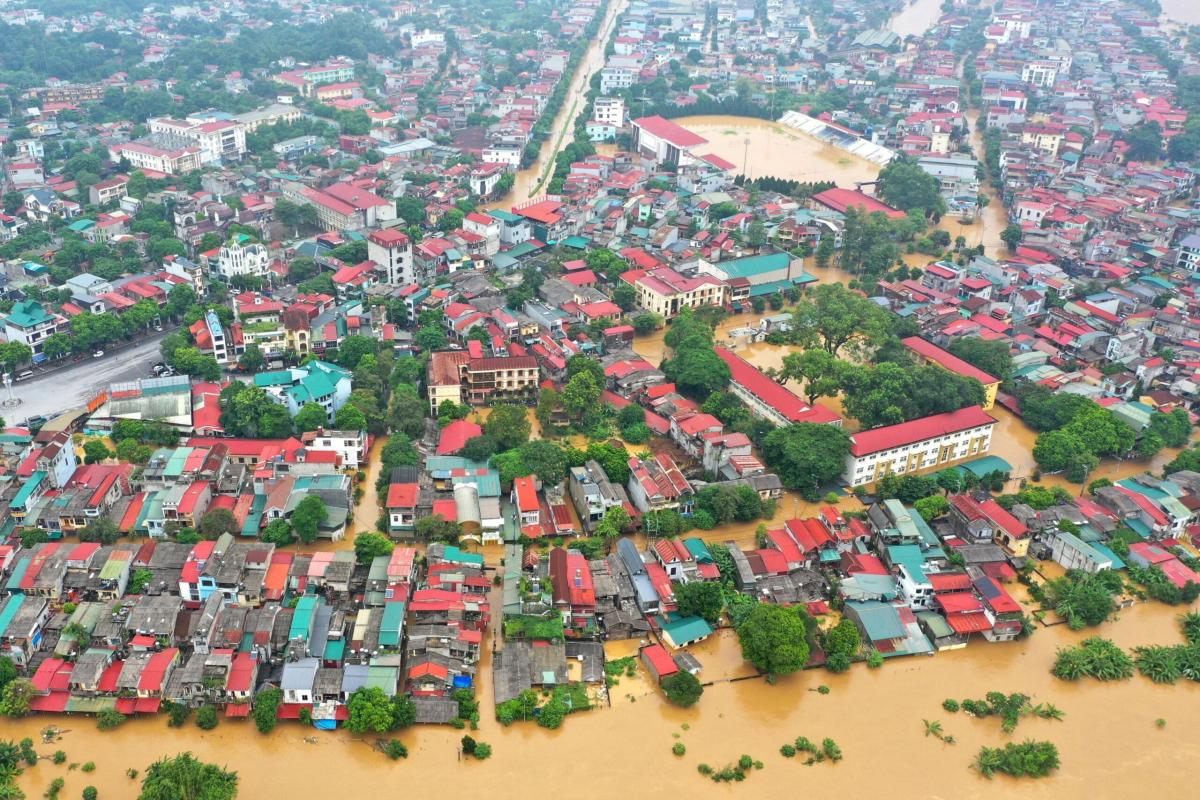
{"points": [[934, 441]]}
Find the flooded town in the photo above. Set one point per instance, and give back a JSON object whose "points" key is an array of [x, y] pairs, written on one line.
{"points": [[491, 393]]}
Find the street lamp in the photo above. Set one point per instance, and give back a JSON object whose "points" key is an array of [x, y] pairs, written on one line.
{"points": [[746, 159]]}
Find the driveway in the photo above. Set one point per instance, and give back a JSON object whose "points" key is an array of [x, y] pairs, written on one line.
{"points": [[74, 385]]}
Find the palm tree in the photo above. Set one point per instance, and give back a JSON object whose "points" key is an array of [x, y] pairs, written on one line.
{"points": [[933, 728]]}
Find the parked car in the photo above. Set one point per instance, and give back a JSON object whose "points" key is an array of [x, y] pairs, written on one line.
{"points": [[98, 354]]}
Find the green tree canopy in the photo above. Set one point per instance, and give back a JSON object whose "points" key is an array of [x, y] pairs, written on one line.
{"points": [[775, 638]]}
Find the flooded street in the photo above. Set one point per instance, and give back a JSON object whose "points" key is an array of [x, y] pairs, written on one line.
{"points": [[528, 181], [916, 18], [1108, 738], [776, 150], [1185, 11]]}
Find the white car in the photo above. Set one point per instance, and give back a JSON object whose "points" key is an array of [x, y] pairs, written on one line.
{"points": [[98, 354]]}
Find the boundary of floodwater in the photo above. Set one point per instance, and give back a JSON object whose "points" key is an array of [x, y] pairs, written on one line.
{"points": [[552, 161]]}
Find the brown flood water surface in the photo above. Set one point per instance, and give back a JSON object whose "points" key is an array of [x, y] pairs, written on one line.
{"points": [[777, 151], [916, 18], [1109, 742]]}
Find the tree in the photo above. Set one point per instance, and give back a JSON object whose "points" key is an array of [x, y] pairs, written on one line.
{"points": [[645, 324], [192, 362], [95, 451], [206, 717], [508, 425], [1145, 142], [437, 529], [218, 521], [252, 360], [807, 456], [700, 599], [993, 357], [406, 411], [625, 296], [186, 778], [903, 184], [370, 545], [310, 417], [581, 394], [683, 688], [1174, 428], [102, 530], [932, 507], [1011, 236], [16, 697], [307, 518], [696, 369], [350, 418], [278, 532], [837, 317], [411, 210], [353, 348], [404, 711], [843, 639], [370, 711], [818, 369], [774, 638]]}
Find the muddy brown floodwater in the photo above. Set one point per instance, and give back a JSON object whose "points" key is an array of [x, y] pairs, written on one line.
{"points": [[1109, 743], [1185, 11], [776, 150], [916, 18]]}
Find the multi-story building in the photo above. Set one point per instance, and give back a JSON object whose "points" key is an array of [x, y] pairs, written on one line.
{"points": [[929, 353], [343, 206], [30, 324], [320, 382], [109, 191], [271, 115], [217, 139], [664, 141], [391, 250], [922, 443], [664, 291], [456, 376], [609, 111], [167, 161], [241, 258]]}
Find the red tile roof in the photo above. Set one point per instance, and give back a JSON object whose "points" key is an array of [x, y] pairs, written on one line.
{"points": [[842, 199], [947, 360], [918, 430], [669, 131], [402, 495], [749, 377]]}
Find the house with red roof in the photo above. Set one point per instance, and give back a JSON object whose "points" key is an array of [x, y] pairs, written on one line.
{"points": [[664, 141], [658, 661], [401, 505], [525, 497], [574, 591], [988, 521], [454, 437], [657, 483], [841, 200]]}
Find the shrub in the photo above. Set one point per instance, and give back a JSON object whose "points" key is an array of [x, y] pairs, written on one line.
{"points": [[266, 709], [875, 659], [395, 749], [787, 751], [59, 757], [683, 688], [88, 766], [109, 719], [679, 749], [90, 793], [950, 705], [483, 751], [1032, 759], [1093, 658], [206, 718], [177, 714]]}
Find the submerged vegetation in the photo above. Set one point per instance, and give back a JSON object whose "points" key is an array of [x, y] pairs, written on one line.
{"points": [[1093, 658], [1010, 708], [1027, 759]]}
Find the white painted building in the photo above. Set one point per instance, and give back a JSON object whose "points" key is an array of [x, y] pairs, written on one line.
{"points": [[609, 110], [934, 441], [391, 249], [236, 259]]}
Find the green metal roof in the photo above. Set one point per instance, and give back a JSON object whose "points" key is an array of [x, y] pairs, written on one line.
{"points": [[392, 626], [879, 620], [750, 266], [303, 616], [687, 629], [27, 314], [335, 649], [982, 466], [18, 573], [27, 489], [698, 549], [454, 554], [10, 609]]}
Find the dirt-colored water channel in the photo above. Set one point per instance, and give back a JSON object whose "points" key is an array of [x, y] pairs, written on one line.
{"points": [[916, 18], [528, 181]]}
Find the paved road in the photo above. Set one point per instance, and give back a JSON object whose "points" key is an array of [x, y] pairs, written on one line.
{"points": [[74, 386]]}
